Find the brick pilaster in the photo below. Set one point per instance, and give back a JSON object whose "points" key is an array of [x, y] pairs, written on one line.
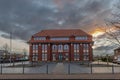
{"points": [[30, 52], [90, 52], [72, 51], [81, 52], [48, 52], [39, 52]]}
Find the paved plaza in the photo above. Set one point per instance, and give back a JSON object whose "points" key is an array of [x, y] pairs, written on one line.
{"points": [[59, 69]]}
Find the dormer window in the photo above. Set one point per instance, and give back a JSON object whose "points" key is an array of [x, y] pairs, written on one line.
{"points": [[59, 38], [39, 38], [81, 38]]}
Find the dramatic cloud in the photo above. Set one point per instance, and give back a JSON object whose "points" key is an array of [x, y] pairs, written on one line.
{"points": [[23, 18]]}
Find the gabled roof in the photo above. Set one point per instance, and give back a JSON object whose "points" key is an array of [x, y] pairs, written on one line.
{"points": [[62, 33]]}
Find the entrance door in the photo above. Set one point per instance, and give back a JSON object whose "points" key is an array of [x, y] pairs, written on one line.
{"points": [[60, 57]]}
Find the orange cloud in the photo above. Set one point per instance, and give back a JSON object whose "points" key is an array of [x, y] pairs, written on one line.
{"points": [[96, 32]]}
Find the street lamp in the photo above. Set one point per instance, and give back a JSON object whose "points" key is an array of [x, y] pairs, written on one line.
{"points": [[98, 58], [107, 59]]}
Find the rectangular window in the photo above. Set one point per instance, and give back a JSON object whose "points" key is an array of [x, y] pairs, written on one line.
{"points": [[44, 48], [81, 38], [35, 48], [76, 47], [59, 38], [35, 57], [44, 52], [85, 46], [44, 56], [39, 38], [76, 56], [66, 56], [86, 51], [53, 56], [34, 51], [86, 57]]}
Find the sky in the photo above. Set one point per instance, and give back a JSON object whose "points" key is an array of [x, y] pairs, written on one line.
{"points": [[23, 18]]}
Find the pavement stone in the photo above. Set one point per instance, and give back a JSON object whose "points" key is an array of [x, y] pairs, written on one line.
{"points": [[59, 69]]}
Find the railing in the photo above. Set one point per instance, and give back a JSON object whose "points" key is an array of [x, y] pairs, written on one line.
{"points": [[26, 67]]}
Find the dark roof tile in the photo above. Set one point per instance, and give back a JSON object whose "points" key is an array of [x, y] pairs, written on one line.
{"points": [[62, 33]]}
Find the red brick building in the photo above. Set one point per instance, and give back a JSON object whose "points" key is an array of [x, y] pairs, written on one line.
{"points": [[61, 45]]}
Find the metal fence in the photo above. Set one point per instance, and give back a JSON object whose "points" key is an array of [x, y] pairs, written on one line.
{"points": [[25, 67]]}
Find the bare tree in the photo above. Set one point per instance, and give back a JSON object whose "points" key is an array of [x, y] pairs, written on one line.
{"points": [[6, 51], [6, 47], [112, 32], [112, 26]]}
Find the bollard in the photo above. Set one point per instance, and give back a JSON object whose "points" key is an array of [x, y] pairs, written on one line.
{"points": [[113, 69], [91, 69], [68, 68]]}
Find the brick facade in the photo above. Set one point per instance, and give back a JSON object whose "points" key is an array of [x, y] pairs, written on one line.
{"points": [[61, 45]]}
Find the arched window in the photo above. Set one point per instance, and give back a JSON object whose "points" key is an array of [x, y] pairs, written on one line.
{"points": [[54, 47], [66, 47], [60, 47]]}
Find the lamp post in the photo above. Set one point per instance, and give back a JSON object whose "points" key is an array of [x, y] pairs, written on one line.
{"points": [[107, 59], [10, 46], [98, 58]]}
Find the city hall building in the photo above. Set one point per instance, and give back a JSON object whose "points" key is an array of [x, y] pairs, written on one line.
{"points": [[61, 45]]}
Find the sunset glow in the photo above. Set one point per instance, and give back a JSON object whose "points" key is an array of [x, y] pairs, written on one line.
{"points": [[97, 32]]}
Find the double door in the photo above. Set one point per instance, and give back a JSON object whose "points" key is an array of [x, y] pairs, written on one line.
{"points": [[60, 57]]}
